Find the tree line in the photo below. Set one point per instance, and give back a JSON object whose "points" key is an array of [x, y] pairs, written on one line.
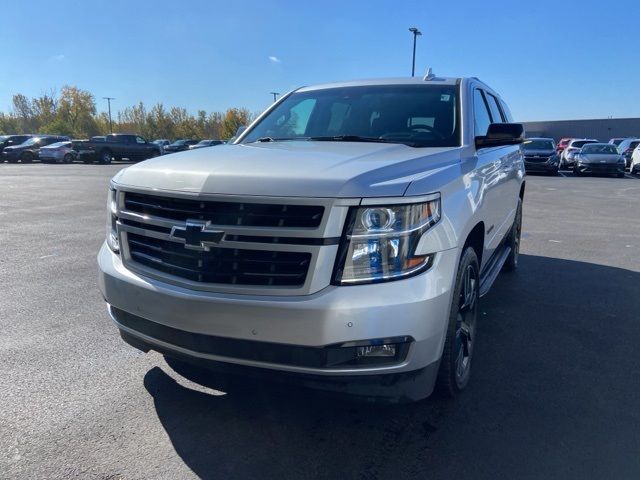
{"points": [[73, 112]]}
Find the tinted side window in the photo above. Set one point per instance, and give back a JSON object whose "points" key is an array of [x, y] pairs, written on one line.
{"points": [[481, 117], [140, 140], [506, 111], [496, 115]]}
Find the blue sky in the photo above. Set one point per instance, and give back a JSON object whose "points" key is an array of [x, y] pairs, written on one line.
{"points": [[548, 59]]}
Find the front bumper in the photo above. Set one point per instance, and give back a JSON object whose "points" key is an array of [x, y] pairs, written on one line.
{"points": [[602, 168], [416, 307]]}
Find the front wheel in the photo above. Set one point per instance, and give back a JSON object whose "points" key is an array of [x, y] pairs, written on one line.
{"points": [[26, 157], [68, 158], [455, 364]]}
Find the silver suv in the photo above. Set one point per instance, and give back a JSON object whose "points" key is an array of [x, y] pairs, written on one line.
{"points": [[343, 241]]}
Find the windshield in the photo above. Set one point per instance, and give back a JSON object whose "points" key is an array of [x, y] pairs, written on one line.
{"points": [[3, 137], [59, 144], [581, 143], [600, 148], [539, 144], [415, 115], [179, 142], [32, 141], [616, 141]]}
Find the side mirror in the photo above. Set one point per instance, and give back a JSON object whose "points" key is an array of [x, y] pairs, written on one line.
{"points": [[501, 134]]}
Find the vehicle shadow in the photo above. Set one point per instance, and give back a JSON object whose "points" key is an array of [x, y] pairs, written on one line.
{"points": [[552, 396]]}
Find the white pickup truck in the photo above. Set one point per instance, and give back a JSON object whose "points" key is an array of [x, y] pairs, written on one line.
{"points": [[342, 242]]}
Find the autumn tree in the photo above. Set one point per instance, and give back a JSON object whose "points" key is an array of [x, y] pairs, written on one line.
{"points": [[77, 110], [233, 119]]}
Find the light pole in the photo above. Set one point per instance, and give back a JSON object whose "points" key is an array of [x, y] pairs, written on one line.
{"points": [[275, 96], [108, 99], [415, 32]]}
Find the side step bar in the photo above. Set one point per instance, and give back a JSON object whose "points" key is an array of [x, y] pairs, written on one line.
{"points": [[493, 269]]}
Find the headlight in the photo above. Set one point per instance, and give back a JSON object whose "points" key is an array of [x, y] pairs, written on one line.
{"points": [[380, 241], [112, 210]]}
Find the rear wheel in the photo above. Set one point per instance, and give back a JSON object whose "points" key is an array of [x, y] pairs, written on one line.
{"points": [[68, 158], [455, 364], [620, 175], [106, 156]]}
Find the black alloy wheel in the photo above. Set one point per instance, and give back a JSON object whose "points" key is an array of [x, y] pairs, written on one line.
{"points": [[457, 355]]}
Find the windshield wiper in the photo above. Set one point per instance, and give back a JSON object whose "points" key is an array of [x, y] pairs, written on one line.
{"points": [[271, 139], [351, 138]]}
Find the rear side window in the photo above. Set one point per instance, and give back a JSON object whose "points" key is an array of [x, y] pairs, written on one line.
{"points": [[481, 117], [496, 115], [507, 113]]}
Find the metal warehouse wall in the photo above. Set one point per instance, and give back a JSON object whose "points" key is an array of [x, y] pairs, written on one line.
{"points": [[602, 129]]}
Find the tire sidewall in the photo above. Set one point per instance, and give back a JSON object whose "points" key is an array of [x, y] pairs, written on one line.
{"points": [[447, 383]]}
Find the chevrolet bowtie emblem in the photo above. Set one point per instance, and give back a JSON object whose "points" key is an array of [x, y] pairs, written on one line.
{"points": [[197, 234]]}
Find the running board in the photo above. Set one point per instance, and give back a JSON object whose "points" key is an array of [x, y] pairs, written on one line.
{"points": [[493, 269]]}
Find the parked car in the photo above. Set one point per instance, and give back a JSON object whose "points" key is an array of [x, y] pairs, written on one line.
{"points": [[540, 155], [626, 148], [634, 167], [27, 151], [162, 142], [617, 141], [602, 158], [59, 152], [116, 146], [206, 143], [562, 144], [180, 145], [10, 141], [567, 157], [390, 218]]}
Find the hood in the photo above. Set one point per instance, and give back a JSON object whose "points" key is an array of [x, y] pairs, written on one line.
{"points": [[600, 158], [292, 168]]}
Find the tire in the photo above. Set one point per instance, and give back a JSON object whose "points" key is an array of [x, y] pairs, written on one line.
{"points": [[455, 364], [620, 175], [68, 158], [106, 157], [27, 157], [513, 241]]}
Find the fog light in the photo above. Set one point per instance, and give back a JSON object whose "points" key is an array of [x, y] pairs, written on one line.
{"points": [[376, 351]]}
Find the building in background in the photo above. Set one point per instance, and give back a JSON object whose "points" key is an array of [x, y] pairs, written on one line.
{"points": [[602, 128]]}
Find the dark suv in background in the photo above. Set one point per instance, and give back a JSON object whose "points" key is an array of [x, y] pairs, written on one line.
{"points": [[540, 155], [11, 141], [28, 150]]}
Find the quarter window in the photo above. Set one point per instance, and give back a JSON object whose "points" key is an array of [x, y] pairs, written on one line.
{"points": [[481, 116]]}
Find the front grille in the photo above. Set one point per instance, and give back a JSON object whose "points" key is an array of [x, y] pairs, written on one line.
{"points": [[535, 159], [226, 213], [231, 266]]}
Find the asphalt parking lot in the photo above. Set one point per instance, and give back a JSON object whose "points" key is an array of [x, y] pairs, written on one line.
{"points": [[554, 392]]}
